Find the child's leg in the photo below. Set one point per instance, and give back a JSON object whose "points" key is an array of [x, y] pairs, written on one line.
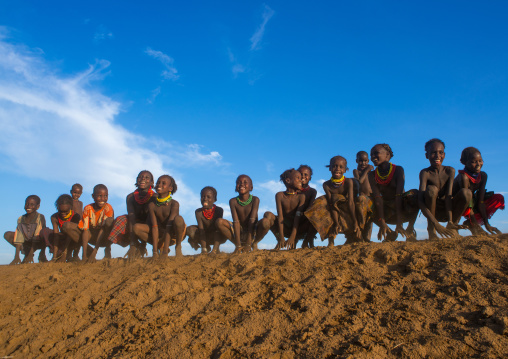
{"points": [[264, 225], [192, 233], [218, 239], [102, 238], [9, 237], [179, 230], [225, 228], [142, 231], [430, 197], [461, 201], [412, 209], [72, 230]]}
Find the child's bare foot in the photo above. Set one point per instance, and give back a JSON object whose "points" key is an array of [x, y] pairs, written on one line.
{"points": [[91, 257], [411, 237], [132, 253], [16, 260], [255, 246], [331, 242], [238, 250], [107, 253], [178, 252], [29, 258], [279, 245]]}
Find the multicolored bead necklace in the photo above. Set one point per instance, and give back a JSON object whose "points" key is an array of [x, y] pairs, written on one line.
{"points": [[146, 198], [337, 182], [163, 201], [384, 179], [473, 177], [208, 213], [67, 218]]}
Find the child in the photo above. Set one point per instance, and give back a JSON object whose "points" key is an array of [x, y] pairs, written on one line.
{"points": [[435, 194], [137, 212], [362, 171], [310, 195], [392, 204], [76, 192], [290, 204], [244, 210], [96, 223], [335, 212], [65, 229], [206, 233], [163, 213], [470, 185], [29, 233]]}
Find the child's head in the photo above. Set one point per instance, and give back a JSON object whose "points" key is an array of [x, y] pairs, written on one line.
{"points": [[100, 195], [338, 166], [381, 153], [165, 184], [243, 184], [292, 179], [144, 180], [76, 191], [362, 159], [32, 203], [306, 173], [208, 196], [471, 158], [64, 203], [434, 152]]}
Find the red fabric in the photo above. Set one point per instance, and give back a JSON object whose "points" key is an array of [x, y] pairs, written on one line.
{"points": [[471, 178], [119, 228], [492, 204], [62, 221]]}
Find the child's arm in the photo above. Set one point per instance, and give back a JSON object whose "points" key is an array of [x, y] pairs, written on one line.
{"points": [[333, 213], [365, 173], [280, 219], [155, 230], [356, 174], [56, 236], [312, 197], [378, 202], [400, 180], [351, 205], [253, 215], [236, 225], [481, 205], [201, 233], [299, 212], [450, 171]]}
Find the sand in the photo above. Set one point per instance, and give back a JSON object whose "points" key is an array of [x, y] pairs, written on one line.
{"points": [[430, 299]]}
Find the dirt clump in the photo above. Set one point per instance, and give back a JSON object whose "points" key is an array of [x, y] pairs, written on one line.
{"points": [[430, 299]]}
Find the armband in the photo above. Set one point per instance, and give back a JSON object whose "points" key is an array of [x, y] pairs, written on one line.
{"points": [[155, 225], [252, 220], [399, 194]]}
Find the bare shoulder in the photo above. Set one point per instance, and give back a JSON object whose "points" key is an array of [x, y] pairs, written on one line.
{"points": [[174, 203], [399, 170], [255, 199], [130, 197]]}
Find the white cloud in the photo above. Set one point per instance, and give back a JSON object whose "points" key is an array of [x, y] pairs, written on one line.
{"points": [[155, 93], [260, 31], [272, 186], [170, 73], [102, 33], [59, 128]]}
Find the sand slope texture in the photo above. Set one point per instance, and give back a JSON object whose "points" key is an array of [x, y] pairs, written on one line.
{"points": [[440, 299]]}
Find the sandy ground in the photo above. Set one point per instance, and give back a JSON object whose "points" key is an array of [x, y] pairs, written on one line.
{"points": [[446, 298]]}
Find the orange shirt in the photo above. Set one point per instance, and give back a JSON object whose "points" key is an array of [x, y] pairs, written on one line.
{"points": [[93, 218]]}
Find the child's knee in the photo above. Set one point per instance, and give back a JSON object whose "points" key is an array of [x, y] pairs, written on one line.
{"points": [[268, 220], [108, 222], [465, 194], [431, 192], [179, 222], [191, 232]]}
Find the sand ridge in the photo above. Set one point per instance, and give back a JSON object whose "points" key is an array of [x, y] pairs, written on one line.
{"points": [[444, 298]]}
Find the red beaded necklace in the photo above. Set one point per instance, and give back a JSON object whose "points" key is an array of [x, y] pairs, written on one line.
{"points": [[471, 178], [386, 179], [208, 213], [66, 218], [146, 198]]}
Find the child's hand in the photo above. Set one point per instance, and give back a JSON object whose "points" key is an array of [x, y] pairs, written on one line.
{"points": [[383, 231], [400, 230], [290, 243], [29, 258], [445, 232], [492, 230], [358, 232], [451, 225], [334, 230]]}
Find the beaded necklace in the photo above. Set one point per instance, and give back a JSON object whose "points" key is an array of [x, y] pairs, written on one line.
{"points": [[247, 202], [208, 213], [67, 218], [163, 201], [290, 193], [385, 179], [473, 177], [146, 198], [337, 182], [304, 189]]}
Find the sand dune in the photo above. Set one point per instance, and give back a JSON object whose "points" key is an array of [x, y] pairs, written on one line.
{"points": [[447, 298]]}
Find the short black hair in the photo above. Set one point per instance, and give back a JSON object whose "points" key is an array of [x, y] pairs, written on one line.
{"points": [[386, 147], [337, 158], [35, 197], [307, 167], [77, 185], [359, 153], [99, 187], [209, 188], [287, 174], [139, 174], [430, 142], [467, 153], [62, 199]]}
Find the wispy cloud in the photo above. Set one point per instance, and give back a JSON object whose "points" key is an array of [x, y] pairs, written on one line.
{"points": [[260, 31], [155, 93], [102, 33], [66, 121], [170, 72]]}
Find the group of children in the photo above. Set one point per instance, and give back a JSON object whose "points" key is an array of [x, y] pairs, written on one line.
{"points": [[375, 195]]}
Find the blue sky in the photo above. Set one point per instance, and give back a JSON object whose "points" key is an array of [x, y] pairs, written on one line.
{"points": [[97, 91]]}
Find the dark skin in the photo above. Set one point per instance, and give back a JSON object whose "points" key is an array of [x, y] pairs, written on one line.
{"points": [[290, 204], [166, 216], [244, 217], [393, 191], [310, 195], [135, 211], [31, 207], [362, 173], [64, 210], [462, 182], [206, 227], [338, 167], [100, 197], [436, 182]]}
